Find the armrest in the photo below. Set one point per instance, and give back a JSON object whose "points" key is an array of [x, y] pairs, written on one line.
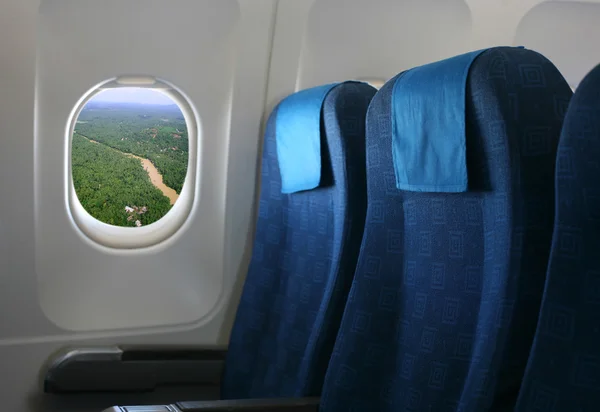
{"points": [[241, 405], [131, 368]]}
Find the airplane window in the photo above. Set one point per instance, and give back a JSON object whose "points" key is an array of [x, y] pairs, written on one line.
{"points": [[129, 156], [132, 162]]}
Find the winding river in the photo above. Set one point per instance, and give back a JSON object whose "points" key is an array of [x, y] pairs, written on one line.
{"points": [[155, 176]]}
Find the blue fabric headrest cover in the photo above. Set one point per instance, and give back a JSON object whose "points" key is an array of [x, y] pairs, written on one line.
{"points": [[428, 126], [298, 138]]}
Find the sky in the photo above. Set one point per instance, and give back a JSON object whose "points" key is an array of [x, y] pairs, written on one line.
{"points": [[132, 95]]}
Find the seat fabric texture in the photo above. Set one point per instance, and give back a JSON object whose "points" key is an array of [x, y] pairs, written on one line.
{"points": [[304, 258], [563, 373], [444, 304]]}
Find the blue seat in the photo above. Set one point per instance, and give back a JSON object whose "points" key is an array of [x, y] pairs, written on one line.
{"points": [[444, 303], [304, 257], [563, 373]]}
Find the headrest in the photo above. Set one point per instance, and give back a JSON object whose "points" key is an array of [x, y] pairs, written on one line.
{"points": [[298, 138], [429, 126]]}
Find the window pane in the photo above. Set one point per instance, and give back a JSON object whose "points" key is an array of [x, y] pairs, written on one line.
{"points": [[129, 156]]}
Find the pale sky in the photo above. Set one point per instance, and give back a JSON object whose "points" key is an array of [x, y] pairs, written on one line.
{"points": [[132, 95]]}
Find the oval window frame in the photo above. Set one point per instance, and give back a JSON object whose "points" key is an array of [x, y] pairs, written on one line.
{"points": [[117, 237]]}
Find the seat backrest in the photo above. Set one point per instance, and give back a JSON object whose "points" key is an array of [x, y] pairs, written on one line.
{"points": [[305, 248], [444, 303], [563, 373]]}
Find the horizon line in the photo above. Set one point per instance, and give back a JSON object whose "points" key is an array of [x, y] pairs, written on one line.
{"points": [[132, 103], [134, 95]]}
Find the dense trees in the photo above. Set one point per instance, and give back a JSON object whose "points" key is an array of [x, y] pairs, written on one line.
{"points": [[107, 181], [157, 133], [113, 187]]}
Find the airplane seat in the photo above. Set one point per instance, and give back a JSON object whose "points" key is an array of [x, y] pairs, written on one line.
{"points": [[563, 373], [306, 244], [444, 303]]}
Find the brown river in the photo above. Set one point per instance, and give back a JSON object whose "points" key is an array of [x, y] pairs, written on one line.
{"points": [[155, 176]]}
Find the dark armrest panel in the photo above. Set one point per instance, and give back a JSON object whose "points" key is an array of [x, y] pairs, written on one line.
{"points": [[132, 368], [240, 405]]}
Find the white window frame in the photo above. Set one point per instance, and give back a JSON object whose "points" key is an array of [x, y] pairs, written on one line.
{"points": [[133, 237]]}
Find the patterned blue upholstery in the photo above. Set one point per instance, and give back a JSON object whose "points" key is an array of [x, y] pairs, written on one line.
{"points": [[444, 303], [563, 373], [303, 262]]}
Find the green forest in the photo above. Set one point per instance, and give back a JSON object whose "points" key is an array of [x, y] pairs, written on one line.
{"points": [[114, 187]]}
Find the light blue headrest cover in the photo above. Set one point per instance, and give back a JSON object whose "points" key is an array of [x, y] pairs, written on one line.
{"points": [[298, 138], [428, 126]]}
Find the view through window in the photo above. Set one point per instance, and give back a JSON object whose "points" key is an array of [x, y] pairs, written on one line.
{"points": [[129, 156]]}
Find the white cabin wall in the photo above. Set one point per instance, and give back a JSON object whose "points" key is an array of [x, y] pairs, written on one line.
{"points": [[27, 336], [17, 68], [17, 277], [277, 52], [366, 39]]}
